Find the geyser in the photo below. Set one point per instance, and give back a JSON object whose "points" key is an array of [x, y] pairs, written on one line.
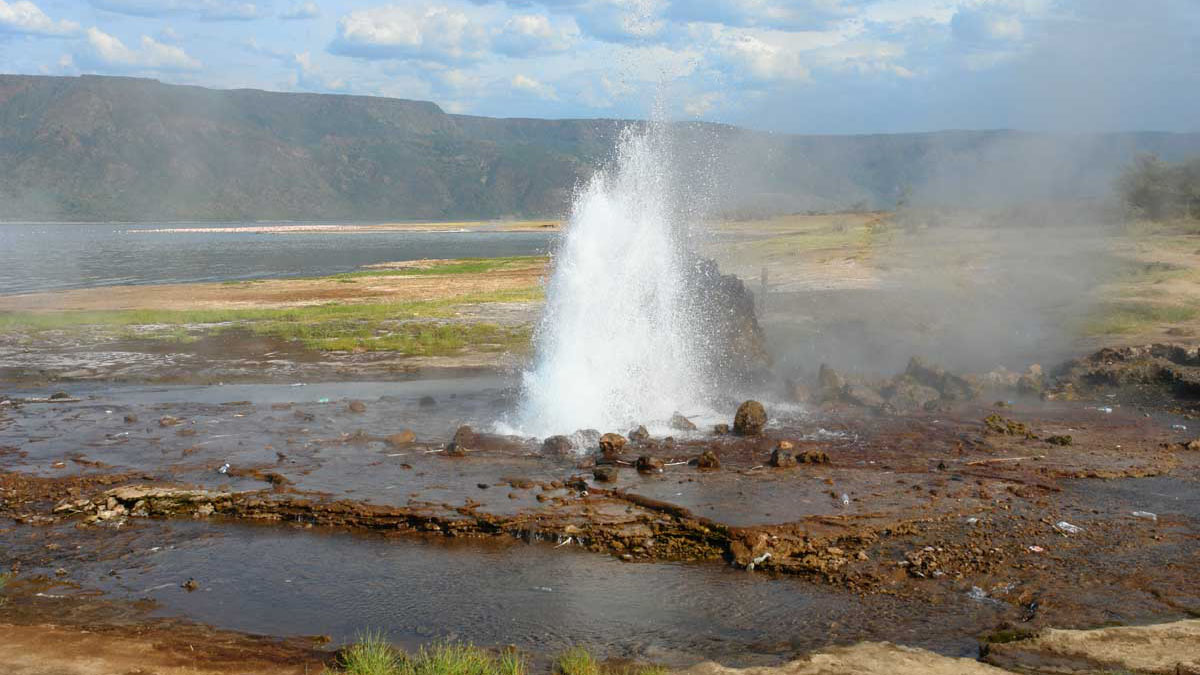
{"points": [[619, 342]]}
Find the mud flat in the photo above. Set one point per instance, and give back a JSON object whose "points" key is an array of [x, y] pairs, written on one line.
{"points": [[944, 528], [959, 517]]}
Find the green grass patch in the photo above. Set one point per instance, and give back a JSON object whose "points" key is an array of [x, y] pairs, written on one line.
{"points": [[451, 267], [576, 661], [372, 655], [40, 321], [1126, 318], [413, 339]]}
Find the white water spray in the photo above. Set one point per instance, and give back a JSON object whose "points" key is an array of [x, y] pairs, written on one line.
{"points": [[616, 346]]}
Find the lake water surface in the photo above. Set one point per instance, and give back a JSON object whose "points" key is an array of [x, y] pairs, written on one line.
{"points": [[46, 257]]}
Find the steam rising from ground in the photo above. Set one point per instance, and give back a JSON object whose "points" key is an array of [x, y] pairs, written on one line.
{"points": [[616, 345]]}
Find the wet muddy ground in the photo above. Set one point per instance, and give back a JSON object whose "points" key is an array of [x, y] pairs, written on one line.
{"points": [[303, 510]]}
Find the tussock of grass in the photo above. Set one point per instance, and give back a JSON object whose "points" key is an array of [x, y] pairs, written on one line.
{"points": [[577, 661], [1126, 318], [372, 655]]}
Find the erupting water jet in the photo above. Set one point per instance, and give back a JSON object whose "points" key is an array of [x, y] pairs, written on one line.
{"points": [[618, 343]]}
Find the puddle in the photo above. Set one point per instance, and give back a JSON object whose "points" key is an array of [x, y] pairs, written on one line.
{"points": [[284, 581]]}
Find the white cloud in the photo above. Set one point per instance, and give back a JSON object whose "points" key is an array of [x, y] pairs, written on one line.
{"points": [[746, 56], [526, 84], [532, 34], [27, 18], [106, 50], [778, 14], [423, 32], [865, 57], [702, 104], [602, 91], [987, 23], [210, 10], [302, 10], [307, 76], [622, 20]]}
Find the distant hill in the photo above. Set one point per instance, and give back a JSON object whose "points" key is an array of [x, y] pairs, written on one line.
{"points": [[104, 148]]}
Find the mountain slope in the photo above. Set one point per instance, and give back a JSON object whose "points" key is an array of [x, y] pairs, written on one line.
{"points": [[103, 148]]}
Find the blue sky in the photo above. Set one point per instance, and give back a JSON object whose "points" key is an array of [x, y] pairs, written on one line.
{"points": [[806, 66]]}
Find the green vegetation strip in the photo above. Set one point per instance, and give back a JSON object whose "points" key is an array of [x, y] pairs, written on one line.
{"points": [[372, 655], [452, 267], [403, 327], [1128, 317]]}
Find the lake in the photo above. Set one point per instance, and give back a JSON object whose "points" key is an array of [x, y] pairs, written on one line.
{"points": [[46, 257]]}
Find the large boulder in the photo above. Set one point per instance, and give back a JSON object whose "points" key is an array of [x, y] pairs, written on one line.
{"points": [[906, 394], [750, 419], [734, 346], [950, 386]]}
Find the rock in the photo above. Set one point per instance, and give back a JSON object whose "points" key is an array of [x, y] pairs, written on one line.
{"points": [[586, 438], [798, 392], [750, 419], [1006, 427], [464, 436], [647, 464], [558, 446], [190, 585], [427, 402], [830, 384], [1170, 648], [167, 421], [864, 396], [131, 419], [708, 461], [357, 407], [720, 429], [59, 395], [401, 439], [906, 395], [951, 387], [681, 423], [304, 416], [611, 444], [639, 435], [605, 474], [1193, 445], [1033, 381], [782, 457], [463, 441], [1060, 440], [813, 457], [734, 348]]}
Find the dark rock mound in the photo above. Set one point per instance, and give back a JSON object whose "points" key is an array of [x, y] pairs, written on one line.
{"points": [[750, 419], [1156, 369], [708, 461], [782, 457], [639, 435], [558, 446], [681, 423], [647, 464], [735, 347], [950, 386]]}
